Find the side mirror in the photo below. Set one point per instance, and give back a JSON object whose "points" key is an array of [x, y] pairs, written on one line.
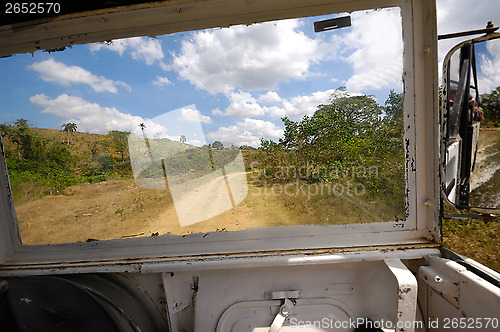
{"points": [[471, 152]]}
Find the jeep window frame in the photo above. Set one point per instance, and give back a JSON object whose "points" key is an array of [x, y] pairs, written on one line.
{"points": [[421, 137]]}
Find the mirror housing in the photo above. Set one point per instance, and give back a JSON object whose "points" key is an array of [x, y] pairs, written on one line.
{"points": [[461, 120]]}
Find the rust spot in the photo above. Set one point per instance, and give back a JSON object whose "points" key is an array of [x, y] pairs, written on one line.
{"points": [[405, 291]]}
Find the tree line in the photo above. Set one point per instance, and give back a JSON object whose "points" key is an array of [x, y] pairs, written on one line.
{"points": [[490, 102], [341, 142], [41, 163]]}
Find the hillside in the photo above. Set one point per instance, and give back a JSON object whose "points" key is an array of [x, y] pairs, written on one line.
{"points": [[85, 190]]}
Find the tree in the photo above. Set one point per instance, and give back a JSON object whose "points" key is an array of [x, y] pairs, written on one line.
{"points": [[347, 133], [29, 146], [491, 102], [339, 132], [217, 145], [393, 121], [5, 130], [21, 124], [94, 148], [18, 135], [69, 128], [183, 139], [394, 105], [142, 126], [120, 142]]}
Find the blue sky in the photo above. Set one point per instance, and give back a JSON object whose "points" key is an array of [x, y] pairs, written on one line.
{"points": [[235, 83]]}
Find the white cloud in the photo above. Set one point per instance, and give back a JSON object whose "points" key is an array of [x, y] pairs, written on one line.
{"points": [[144, 49], [165, 67], [54, 71], [299, 106], [217, 111], [193, 116], [261, 56], [464, 15], [374, 48], [195, 142], [160, 81], [247, 132], [117, 45], [271, 97], [459, 15], [243, 105], [489, 64], [255, 57], [262, 128], [91, 117]]}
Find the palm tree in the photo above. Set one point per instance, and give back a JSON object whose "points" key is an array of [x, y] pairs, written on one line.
{"points": [[183, 139], [69, 128], [72, 128], [66, 129], [142, 126], [21, 124]]}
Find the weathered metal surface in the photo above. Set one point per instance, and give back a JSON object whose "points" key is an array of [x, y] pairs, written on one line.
{"points": [[241, 260], [456, 298], [407, 295], [443, 283]]}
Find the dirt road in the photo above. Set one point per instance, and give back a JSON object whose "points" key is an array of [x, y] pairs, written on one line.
{"points": [[121, 209]]}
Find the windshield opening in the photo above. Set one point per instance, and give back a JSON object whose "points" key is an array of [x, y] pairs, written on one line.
{"points": [[226, 129]]}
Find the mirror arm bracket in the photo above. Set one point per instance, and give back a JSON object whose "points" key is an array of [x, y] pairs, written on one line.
{"points": [[481, 213], [470, 216]]}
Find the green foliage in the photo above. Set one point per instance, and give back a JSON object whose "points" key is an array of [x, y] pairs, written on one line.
{"points": [[39, 166], [36, 166], [30, 179], [246, 147], [352, 139], [217, 145], [119, 141], [491, 103]]}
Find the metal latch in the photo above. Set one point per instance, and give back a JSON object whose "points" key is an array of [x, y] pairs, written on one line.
{"points": [[279, 320], [288, 298]]}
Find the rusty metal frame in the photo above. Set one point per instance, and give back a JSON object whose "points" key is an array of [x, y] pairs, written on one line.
{"points": [[421, 228]]}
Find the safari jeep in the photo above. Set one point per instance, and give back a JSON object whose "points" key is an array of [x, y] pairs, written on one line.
{"points": [[236, 165]]}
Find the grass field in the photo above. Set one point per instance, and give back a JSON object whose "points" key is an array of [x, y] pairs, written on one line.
{"points": [[477, 239]]}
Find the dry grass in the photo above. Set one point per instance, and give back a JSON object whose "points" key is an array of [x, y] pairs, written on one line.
{"points": [[119, 208], [476, 239]]}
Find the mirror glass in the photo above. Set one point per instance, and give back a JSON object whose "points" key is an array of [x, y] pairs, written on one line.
{"points": [[472, 102]]}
